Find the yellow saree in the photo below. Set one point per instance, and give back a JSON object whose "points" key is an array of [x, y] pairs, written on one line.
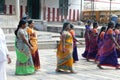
{"points": [[65, 59]]}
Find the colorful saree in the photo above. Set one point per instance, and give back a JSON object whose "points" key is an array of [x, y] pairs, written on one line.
{"points": [[87, 40], [118, 51], [24, 64], [108, 56], [65, 59], [34, 44], [117, 35], [100, 45], [93, 47], [75, 53]]}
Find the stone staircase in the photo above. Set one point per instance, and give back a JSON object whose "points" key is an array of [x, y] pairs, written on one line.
{"points": [[46, 40]]}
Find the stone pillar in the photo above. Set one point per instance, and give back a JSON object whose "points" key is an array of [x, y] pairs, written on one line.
{"points": [[17, 8]]}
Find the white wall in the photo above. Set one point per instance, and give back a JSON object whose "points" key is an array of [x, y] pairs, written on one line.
{"points": [[52, 3], [74, 4], [23, 2], [103, 5], [10, 2], [106, 6]]}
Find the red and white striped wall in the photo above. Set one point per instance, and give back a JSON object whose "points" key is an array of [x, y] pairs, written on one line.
{"points": [[52, 14], [10, 10]]}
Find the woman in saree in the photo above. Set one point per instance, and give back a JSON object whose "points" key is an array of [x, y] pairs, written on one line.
{"points": [[87, 38], [100, 42], [64, 50], [24, 64], [108, 57], [33, 42], [75, 52], [117, 36], [93, 47]]}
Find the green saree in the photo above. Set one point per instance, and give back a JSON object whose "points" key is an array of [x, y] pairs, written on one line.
{"points": [[24, 63]]}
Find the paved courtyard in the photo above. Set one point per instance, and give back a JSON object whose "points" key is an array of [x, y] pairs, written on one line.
{"points": [[85, 70]]}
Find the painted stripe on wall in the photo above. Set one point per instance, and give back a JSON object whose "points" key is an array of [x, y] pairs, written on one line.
{"points": [[10, 9], [48, 14], [57, 14], [53, 15], [21, 11]]}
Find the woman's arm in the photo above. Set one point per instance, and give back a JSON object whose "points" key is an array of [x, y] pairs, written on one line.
{"points": [[73, 35], [95, 32], [74, 38], [115, 41], [9, 59], [25, 41]]}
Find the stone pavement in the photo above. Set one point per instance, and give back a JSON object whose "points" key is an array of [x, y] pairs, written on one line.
{"points": [[85, 70]]}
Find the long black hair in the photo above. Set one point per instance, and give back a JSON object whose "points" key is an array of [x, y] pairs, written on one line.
{"points": [[65, 25], [95, 24], [101, 30], [71, 26], [21, 22], [29, 22], [110, 24], [89, 22]]}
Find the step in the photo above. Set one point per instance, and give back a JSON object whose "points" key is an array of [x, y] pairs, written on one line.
{"points": [[45, 44], [46, 40], [42, 45]]}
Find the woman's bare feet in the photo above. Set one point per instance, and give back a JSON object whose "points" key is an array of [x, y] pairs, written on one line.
{"points": [[71, 71], [87, 59], [57, 70], [99, 66]]}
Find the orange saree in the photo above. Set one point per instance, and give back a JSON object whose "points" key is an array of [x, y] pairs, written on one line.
{"points": [[34, 51]]}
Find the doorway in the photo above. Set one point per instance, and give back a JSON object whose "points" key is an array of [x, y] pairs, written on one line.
{"points": [[34, 8]]}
